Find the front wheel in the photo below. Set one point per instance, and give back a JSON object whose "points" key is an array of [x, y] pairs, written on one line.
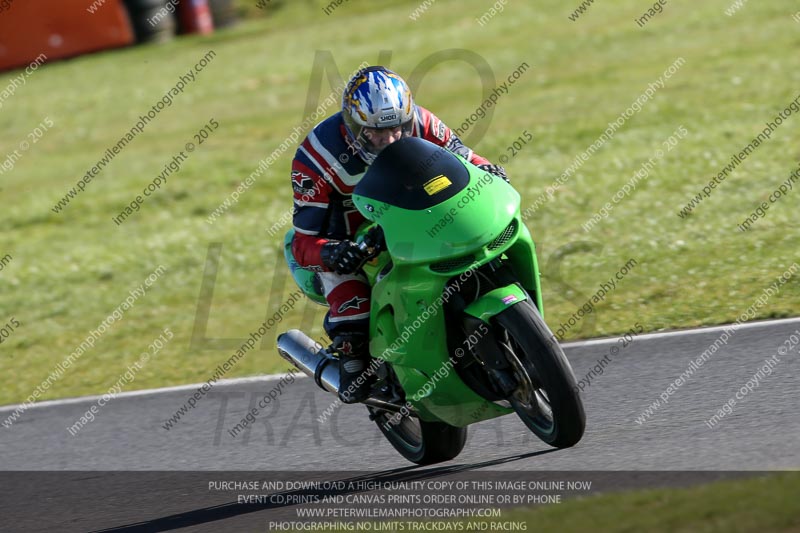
{"points": [[546, 399], [418, 441]]}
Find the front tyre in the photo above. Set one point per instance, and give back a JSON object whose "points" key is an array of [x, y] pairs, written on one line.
{"points": [[418, 441], [547, 400]]}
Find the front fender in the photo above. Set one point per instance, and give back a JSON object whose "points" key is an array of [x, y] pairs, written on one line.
{"points": [[496, 301]]}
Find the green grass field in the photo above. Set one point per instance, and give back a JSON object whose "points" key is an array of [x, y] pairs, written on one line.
{"points": [[765, 504], [70, 270]]}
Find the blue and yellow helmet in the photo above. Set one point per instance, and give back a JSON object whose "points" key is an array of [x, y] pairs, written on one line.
{"points": [[375, 97]]}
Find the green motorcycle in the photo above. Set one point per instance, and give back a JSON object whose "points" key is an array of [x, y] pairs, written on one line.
{"points": [[456, 328]]}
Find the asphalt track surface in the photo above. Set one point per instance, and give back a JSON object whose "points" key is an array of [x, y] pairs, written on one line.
{"points": [[762, 433]]}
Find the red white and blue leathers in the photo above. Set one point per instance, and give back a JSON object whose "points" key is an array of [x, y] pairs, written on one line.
{"points": [[325, 171]]}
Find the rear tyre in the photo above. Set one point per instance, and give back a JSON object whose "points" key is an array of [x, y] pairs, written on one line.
{"points": [[418, 441], [547, 400]]}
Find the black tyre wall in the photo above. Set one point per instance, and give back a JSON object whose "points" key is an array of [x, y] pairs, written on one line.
{"points": [[148, 20]]}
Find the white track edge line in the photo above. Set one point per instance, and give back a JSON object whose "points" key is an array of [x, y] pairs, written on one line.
{"points": [[273, 377], [149, 392], [683, 332]]}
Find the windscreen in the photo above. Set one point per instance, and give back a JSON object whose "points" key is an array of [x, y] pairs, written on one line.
{"points": [[413, 173]]}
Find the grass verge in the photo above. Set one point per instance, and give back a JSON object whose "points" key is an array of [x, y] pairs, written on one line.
{"points": [[70, 270]]}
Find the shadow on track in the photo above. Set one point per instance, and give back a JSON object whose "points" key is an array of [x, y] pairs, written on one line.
{"points": [[230, 510]]}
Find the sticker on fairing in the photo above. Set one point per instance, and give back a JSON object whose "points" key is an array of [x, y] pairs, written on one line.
{"points": [[511, 298], [434, 185]]}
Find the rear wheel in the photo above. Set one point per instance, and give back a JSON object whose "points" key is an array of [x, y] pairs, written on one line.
{"points": [[418, 441], [547, 399]]}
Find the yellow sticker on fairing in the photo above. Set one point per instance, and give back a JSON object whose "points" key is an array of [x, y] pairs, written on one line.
{"points": [[434, 185]]}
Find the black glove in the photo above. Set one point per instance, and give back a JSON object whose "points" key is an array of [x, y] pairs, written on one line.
{"points": [[497, 170], [342, 257]]}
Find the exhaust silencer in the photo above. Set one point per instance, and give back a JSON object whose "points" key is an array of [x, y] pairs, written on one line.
{"points": [[310, 357]]}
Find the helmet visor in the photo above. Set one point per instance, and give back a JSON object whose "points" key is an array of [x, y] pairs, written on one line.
{"points": [[373, 140]]}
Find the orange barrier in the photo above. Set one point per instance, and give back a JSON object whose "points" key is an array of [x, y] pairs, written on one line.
{"points": [[59, 29]]}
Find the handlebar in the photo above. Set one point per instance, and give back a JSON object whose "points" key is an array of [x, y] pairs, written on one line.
{"points": [[373, 239]]}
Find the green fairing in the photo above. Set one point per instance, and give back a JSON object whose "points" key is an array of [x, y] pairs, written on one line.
{"points": [[406, 319]]}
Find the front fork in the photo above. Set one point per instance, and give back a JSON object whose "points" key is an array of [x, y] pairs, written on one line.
{"points": [[486, 349]]}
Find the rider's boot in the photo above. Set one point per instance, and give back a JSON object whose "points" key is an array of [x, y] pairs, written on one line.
{"points": [[355, 373]]}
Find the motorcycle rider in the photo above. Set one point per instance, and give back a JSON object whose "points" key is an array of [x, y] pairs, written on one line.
{"points": [[377, 110]]}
